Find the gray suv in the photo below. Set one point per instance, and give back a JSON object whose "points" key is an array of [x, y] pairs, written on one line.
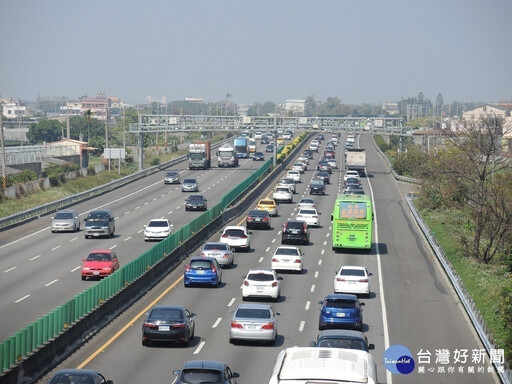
{"points": [[100, 223]]}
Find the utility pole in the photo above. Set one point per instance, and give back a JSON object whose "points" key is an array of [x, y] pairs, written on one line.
{"points": [[4, 171], [106, 127]]}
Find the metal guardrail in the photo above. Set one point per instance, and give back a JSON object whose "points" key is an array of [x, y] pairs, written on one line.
{"points": [[503, 370], [32, 213]]}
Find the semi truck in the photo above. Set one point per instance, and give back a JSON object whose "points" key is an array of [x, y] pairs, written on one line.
{"points": [[199, 155], [355, 160], [227, 156]]}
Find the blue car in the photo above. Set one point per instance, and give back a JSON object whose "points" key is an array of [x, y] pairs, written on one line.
{"points": [[202, 270], [340, 311]]}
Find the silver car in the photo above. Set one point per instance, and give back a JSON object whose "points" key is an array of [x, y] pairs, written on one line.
{"points": [[254, 322], [65, 220], [282, 194], [190, 185], [220, 251], [172, 177]]}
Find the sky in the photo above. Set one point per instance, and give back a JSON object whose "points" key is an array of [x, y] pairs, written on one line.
{"points": [[361, 51]]}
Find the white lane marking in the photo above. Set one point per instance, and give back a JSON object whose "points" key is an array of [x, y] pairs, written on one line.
{"points": [[320, 262], [128, 238], [155, 198], [75, 269], [146, 203], [73, 239], [316, 274], [137, 207], [51, 282], [322, 251], [170, 212], [328, 234], [127, 212], [301, 326], [330, 227], [140, 230], [231, 302], [10, 269], [308, 303], [117, 217], [217, 322], [261, 259], [162, 195], [198, 349], [178, 207], [313, 288], [325, 242], [35, 257], [268, 249], [21, 299], [112, 247], [273, 241], [278, 233], [57, 247]]}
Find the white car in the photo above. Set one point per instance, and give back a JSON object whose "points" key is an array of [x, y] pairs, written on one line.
{"points": [[157, 229], [237, 237], [310, 216], [350, 174], [303, 159], [282, 194], [288, 182], [352, 279], [313, 147], [287, 258], [307, 203], [332, 163], [295, 175], [298, 166], [261, 283]]}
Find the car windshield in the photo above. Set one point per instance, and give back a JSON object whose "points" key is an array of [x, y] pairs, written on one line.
{"points": [[97, 216], [345, 342], [172, 174], [64, 215], [195, 198], [189, 181], [253, 313], [200, 376], [166, 314], [287, 251], [99, 257], [200, 264], [215, 247], [340, 304], [234, 232], [260, 277], [158, 223]]}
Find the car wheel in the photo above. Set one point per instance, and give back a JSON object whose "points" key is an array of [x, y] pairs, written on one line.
{"points": [[86, 236], [186, 285], [146, 343], [320, 328], [84, 278], [244, 298]]}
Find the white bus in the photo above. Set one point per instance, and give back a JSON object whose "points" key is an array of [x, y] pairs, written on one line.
{"points": [[303, 365]]}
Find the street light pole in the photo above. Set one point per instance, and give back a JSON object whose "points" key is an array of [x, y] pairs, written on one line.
{"points": [[4, 171]]}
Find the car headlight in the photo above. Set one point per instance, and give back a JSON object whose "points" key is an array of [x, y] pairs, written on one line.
{"points": [[86, 268]]}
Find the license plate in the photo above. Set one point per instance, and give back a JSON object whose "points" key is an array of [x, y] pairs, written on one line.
{"points": [[201, 272], [164, 328], [251, 327], [351, 282], [340, 314], [96, 234], [96, 273], [257, 219]]}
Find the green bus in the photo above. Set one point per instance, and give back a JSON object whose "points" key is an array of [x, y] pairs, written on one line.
{"points": [[352, 221]]}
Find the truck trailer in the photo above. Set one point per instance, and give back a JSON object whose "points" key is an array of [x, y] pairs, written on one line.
{"points": [[199, 155], [355, 160]]}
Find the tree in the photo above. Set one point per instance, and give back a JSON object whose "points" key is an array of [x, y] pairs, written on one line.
{"points": [[439, 104], [473, 174], [45, 131]]}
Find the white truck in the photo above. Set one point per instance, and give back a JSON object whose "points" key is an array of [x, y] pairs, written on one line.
{"points": [[303, 365], [199, 155], [226, 156], [355, 160]]}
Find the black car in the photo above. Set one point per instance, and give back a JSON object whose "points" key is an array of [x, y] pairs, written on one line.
{"points": [[78, 376], [264, 139], [353, 180], [342, 338], [320, 136], [258, 156], [257, 219], [317, 187], [308, 153], [324, 175], [295, 231], [351, 187], [269, 148], [355, 192], [205, 371], [196, 203], [168, 323]]}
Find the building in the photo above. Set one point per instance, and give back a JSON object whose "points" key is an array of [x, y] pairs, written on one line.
{"points": [[296, 106], [485, 110], [391, 108], [72, 108], [12, 110]]}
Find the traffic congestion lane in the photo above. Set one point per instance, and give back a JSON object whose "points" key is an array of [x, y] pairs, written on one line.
{"points": [[297, 324], [46, 267]]}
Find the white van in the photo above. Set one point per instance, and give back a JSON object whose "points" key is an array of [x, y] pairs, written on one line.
{"points": [[302, 365]]}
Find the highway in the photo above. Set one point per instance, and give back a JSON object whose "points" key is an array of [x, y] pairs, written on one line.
{"points": [[40, 270], [412, 303]]}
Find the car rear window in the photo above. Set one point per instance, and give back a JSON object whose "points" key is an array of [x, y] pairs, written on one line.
{"points": [[260, 277], [286, 251], [342, 343], [307, 212], [252, 313], [258, 213], [352, 272], [294, 225], [96, 223], [266, 202], [234, 232], [340, 304], [282, 190], [196, 376], [166, 313], [215, 247], [200, 264], [317, 182]]}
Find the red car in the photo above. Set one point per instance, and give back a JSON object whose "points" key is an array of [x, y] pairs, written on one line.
{"points": [[100, 263]]}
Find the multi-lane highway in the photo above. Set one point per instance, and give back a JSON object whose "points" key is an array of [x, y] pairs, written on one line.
{"points": [[411, 303]]}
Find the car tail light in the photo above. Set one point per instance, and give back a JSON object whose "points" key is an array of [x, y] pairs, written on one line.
{"points": [[315, 216], [148, 324], [274, 260], [234, 324], [249, 218], [297, 261], [243, 237], [363, 280], [246, 283], [214, 270], [265, 219], [202, 254], [187, 268], [340, 279], [268, 326], [274, 284], [225, 236], [179, 325], [226, 255]]}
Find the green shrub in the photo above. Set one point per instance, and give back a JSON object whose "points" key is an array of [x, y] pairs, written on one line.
{"points": [[155, 161], [505, 313], [23, 177]]}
